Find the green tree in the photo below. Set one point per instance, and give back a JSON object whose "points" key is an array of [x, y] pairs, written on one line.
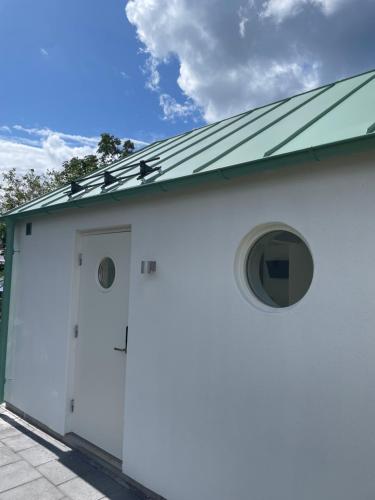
{"points": [[17, 189], [73, 169], [128, 148], [111, 149]]}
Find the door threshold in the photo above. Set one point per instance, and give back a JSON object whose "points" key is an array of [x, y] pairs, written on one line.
{"points": [[107, 462], [112, 465], [93, 451]]}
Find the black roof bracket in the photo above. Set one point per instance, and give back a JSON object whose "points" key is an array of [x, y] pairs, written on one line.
{"points": [[75, 188], [109, 179], [145, 169]]}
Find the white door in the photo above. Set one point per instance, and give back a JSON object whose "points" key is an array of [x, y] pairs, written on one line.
{"points": [[102, 335]]}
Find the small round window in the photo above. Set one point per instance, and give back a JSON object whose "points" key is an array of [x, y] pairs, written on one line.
{"points": [[106, 272], [279, 268]]}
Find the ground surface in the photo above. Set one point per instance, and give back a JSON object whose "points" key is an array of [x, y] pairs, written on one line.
{"points": [[35, 466]]}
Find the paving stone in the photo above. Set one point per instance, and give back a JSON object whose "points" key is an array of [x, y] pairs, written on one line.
{"points": [[45, 469], [8, 420], [56, 472], [8, 431], [105, 484], [79, 489], [19, 442], [37, 455], [15, 474], [39, 489], [50, 442], [75, 461], [7, 456]]}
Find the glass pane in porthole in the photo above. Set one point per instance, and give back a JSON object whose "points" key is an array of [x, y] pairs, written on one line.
{"points": [[106, 272], [279, 268]]}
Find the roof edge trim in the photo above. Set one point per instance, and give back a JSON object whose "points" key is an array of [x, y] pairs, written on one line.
{"points": [[343, 147]]}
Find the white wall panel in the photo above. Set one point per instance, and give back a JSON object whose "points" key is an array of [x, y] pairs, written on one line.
{"points": [[224, 400]]}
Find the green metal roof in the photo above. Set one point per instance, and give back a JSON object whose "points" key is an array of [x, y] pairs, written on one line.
{"points": [[339, 115]]}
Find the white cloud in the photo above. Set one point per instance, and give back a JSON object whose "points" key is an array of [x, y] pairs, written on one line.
{"points": [[218, 72], [170, 107], [242, 23], [46, 133], [173, 109], [281, 9], [244, 13], [233, 55], [330, 6], [46, 150], [41, 148], [44, 52], [152, 73]]}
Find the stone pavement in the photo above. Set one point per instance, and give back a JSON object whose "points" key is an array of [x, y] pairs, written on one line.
{"points": [[35, 466]]}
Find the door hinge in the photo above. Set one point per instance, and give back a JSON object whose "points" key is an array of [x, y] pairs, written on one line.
{"points": [[72, 405], [80, 259], [76, 330]]}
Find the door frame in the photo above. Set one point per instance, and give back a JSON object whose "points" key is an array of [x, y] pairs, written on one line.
{"points": [[74, 311]]}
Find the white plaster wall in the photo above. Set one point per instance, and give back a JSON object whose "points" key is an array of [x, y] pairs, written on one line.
{"points": [[223, 399]]}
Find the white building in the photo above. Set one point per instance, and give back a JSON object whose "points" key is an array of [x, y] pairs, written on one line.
{"points": [[239, 278]]}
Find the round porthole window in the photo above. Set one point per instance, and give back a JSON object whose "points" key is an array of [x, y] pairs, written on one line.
{"points": [[279, 268], [106, 272]]}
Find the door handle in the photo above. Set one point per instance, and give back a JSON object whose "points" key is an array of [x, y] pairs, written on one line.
{"points": [[126, 339], [125, 350]]}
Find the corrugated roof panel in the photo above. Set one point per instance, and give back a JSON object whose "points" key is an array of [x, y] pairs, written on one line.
{"points": [[169, 148], [257, 147], [352, 118], [188, 158], [339, 111], [200, 135], [232, 141], [185, 140]]}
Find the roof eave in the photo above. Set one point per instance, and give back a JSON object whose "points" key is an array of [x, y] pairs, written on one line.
{"points": [[317, 153]]}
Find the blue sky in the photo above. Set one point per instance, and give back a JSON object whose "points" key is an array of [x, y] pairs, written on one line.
{"points": [[148, 69], [75, 66]]}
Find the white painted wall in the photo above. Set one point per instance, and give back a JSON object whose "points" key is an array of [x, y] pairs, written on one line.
{"points": [[223, 399]]}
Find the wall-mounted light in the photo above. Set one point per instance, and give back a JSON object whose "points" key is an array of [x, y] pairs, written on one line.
{"points": [[148, 266]]}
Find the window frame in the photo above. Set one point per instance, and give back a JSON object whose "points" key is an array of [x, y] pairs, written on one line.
{"points": [[241, 259], [103, 259]]}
